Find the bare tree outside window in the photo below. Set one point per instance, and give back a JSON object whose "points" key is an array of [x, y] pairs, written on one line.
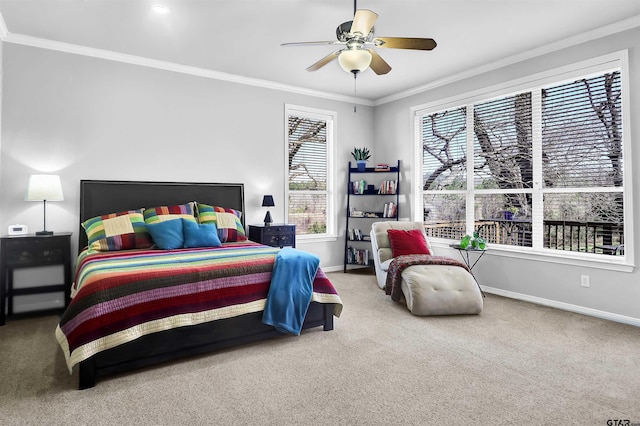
{"points": [[307, 143], [581, 167]]}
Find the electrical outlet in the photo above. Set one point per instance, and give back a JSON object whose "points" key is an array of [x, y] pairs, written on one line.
{"points": [[585, 281]]}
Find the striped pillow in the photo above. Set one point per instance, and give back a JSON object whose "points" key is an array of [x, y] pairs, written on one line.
{"points": [[117, 231], [227, 222], [157, 214]]}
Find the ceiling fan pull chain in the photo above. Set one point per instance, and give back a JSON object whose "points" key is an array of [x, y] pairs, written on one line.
{"points": [[355, 91]]}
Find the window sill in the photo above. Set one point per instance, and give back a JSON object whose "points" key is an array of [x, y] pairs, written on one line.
{"points": [[597, 261], [304, 239]]}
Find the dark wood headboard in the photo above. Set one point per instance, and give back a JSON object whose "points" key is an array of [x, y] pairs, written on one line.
{"points": [[99, 197]]}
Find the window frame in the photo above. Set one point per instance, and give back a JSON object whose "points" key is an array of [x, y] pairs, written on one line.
{"points": [[331, 117], [601, 64]]}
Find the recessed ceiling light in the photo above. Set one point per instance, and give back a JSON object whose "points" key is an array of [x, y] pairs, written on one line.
{"points": [[160, 9]]}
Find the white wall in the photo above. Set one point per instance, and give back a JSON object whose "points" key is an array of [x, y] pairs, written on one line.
{"points": [[614, 295], [88, 118]]}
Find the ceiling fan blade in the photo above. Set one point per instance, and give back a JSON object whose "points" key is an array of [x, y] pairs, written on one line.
{"points": [[363, 21], [324, 61], [405, 43], [378, 65], [311, 43]]}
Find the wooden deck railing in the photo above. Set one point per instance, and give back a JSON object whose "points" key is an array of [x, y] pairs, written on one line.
{"points": [[590, 237]]}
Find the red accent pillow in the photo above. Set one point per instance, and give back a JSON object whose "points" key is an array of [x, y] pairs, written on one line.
{"points": [[407, 242]]}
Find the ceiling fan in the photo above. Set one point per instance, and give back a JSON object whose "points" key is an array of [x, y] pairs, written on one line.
{"points": [[357, 38]]}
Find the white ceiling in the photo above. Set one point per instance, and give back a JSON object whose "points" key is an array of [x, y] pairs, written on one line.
{"points": [[243, 37]]}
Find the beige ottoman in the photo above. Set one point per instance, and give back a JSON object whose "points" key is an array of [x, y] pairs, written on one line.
{"points": [[440, 290]]}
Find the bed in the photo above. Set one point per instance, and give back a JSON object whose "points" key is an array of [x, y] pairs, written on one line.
{"points": [[136, 306]]}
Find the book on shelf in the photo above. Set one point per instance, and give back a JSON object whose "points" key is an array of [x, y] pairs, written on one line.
{"points": [[390, 210], [382, 167], [388, 187], [358, 187], [357, 256], [355, 234]]}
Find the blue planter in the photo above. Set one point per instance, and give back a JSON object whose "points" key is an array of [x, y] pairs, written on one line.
{"points": [[362, 165]]}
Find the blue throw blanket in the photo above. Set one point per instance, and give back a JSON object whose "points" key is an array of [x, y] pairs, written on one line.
{"points": [[291, 290]]}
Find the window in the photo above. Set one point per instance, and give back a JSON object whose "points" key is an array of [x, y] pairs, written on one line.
{"points": [[546, 169], [309, 161]]}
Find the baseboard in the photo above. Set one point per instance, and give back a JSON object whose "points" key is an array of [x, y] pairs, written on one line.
{"points": [[563, 306], [333, 268]]}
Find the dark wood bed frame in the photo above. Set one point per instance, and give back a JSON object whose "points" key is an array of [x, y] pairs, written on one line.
{"points": [[98, 197]]}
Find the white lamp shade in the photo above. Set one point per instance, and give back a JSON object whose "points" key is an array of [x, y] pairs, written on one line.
{"points": [[354, 60], [44, 187]]}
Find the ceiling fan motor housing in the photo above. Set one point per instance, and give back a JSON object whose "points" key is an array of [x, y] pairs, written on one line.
{"points": [[343, 33]]}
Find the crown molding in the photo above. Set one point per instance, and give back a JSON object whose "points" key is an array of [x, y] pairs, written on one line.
{"points": [[75, 49], [26, 40], [607, 30]]}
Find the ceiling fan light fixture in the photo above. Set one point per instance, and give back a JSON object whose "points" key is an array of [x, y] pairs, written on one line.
{"points": [[354, 60]]}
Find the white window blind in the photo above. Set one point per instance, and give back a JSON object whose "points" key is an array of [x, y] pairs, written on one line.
{"points": [[582, 133], [582, 165], [309, 138], [445, 150], [444, 169], [503, 144], [567, 135]]}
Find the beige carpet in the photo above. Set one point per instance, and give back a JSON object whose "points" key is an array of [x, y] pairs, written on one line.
{"points": [[517, 363]]}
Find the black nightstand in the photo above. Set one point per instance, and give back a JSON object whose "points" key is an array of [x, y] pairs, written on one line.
{"points": [[276, 235], [28, 251]]}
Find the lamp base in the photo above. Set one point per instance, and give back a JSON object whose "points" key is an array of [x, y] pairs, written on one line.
{"points": [[267, 219], [44, 233]]}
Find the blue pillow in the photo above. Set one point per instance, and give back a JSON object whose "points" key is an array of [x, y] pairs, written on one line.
{"points": [[167, 234], [200, 234]]}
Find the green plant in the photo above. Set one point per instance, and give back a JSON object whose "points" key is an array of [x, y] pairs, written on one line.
{"points": [[475, 241], [478, 242], [513, 209], [360, 154], [318, 228]]}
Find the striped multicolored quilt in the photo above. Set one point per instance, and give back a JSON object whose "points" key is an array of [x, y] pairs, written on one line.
{"points": [[122, 295]]}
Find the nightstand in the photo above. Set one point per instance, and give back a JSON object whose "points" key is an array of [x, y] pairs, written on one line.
{"points": [[276, 235], [30, 251]]}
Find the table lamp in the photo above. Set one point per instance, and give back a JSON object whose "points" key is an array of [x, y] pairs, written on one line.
{"points": [[44, 188], [267, 201]]}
